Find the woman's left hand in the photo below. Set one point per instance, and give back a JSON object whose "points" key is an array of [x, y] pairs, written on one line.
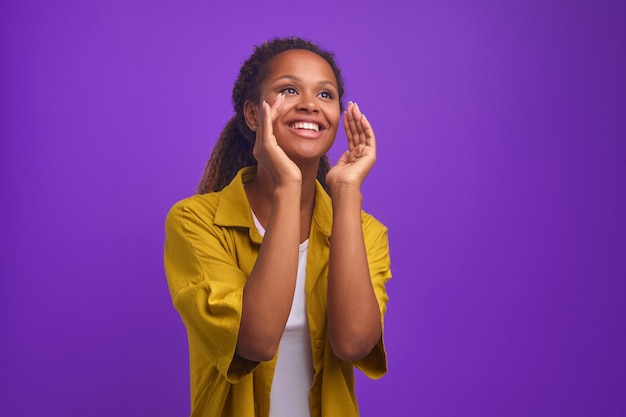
{"points": [[356, 162]]}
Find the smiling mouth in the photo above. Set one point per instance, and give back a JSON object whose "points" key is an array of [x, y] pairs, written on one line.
{"points": [[305, 126]]}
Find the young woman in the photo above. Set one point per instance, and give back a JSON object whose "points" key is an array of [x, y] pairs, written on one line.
{"points": [[277, 273]]}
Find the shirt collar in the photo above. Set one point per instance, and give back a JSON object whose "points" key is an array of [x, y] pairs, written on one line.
{"points": [[234, 210], [323, 210]]}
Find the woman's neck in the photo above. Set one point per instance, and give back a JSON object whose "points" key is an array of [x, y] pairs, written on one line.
{"points": [[260, 193]]}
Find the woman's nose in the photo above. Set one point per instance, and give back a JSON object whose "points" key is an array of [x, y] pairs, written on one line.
{"points": [[307, 103]]}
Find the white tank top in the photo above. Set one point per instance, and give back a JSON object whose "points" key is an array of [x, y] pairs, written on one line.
{"points": [[293, 375]]}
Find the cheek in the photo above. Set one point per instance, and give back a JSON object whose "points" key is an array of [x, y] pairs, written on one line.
{"points": [[336, 122], [334, 116]]}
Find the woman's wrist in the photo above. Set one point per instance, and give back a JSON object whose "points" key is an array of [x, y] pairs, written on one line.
{"points": [[342, 190]]}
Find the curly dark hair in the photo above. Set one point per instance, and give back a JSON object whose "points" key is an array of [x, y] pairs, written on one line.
{"points": [[233, 149]]}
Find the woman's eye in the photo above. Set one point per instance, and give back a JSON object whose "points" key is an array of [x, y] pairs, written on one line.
{"points": [[326, 94], [288, 90]]}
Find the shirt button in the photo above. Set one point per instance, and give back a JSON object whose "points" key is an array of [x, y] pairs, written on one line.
{"points": [[316, 390], [318, 343]]}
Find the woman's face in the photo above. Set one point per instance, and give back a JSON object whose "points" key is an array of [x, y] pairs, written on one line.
{"points": [[307, 124]]}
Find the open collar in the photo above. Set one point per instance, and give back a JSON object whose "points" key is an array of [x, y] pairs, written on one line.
{"points": [[234, 210]]}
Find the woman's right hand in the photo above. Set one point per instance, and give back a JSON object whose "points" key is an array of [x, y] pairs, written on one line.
{"points": [[268, 153]]}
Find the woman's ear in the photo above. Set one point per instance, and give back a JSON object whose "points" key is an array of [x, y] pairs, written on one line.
{"points": [[250, 113]]}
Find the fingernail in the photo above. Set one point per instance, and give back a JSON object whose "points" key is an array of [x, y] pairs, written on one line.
{"points": [[350, 103]]}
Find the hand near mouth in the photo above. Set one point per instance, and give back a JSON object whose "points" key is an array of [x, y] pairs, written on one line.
{"points": [[268, 153], [356, 162]]}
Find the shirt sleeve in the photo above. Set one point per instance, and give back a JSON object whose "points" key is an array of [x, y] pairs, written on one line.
{"points": [[206, 286], [374, 365]]}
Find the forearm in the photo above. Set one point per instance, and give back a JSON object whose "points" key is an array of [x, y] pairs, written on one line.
{"points": [[353, 313], [268, 292]]}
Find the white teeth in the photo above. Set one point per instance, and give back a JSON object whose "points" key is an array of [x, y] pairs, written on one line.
{"points": [[305, 125]]}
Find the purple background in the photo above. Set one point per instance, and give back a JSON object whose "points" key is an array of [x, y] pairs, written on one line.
{"points": [[501, 175]]}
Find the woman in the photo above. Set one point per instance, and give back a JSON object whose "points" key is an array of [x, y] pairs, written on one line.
{"points": [[276, 272]]}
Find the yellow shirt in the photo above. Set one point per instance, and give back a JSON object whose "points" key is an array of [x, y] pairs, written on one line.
{"points": [[211, 246]]}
